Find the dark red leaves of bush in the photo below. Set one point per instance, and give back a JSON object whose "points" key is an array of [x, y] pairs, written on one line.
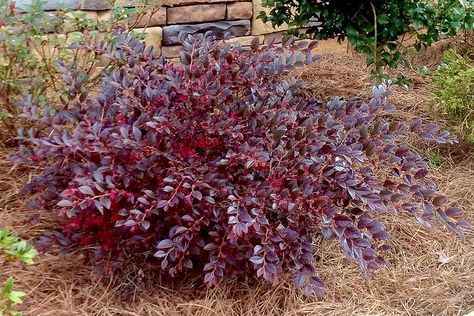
{"points": [[221, 167]]}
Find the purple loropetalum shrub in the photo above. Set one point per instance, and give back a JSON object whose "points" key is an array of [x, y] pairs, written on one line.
{"points": [[222, 167]]}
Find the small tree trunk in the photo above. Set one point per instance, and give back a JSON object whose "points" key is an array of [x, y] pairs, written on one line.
{"points": [[378, 68]]}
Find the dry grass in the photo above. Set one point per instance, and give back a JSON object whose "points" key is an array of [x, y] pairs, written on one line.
{"points": [[417, 283]]}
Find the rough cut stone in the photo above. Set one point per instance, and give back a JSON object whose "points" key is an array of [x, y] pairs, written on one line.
{"points": [[330, 46], [153, 37], [126, 3], [196, 13], [235, 28], [244, 40], [50, 5], [171, 51], [103, 16], [97, 5], [173, 3], [174, 61], [239, 11], [158, 18], [258, 27], [278, 36], [90, 15]]}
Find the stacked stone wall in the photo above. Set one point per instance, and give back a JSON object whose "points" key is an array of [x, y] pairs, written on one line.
{"points": [[238, 17]]}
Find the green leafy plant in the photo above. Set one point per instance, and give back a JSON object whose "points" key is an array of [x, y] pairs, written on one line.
{"points": [[435, 158], [453, 91], [9, 297], [375, 28], [14, 249], [31, 42], [455, 16]]}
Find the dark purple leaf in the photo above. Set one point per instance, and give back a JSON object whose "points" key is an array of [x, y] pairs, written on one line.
{"points": [[86, 190], [453, 211], [165, 244]]}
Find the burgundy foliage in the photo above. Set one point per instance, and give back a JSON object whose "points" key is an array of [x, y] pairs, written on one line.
{"points": [[220, 166]]}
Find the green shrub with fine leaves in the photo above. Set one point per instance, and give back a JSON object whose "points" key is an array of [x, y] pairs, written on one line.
{"points": [[453, 91]]}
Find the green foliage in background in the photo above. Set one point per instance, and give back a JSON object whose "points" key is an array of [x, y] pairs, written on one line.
{"points": [[375, 28], [453, 91], [13, 249], [31, 42], [455, 16]]}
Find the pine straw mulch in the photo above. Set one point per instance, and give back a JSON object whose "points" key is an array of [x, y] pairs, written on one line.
{"points": [[431, 272]]}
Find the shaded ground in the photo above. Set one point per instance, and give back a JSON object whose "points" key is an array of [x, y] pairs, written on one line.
{"points": [[432, 271]]}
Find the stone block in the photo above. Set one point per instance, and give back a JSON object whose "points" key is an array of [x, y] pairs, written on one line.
{"points": [[244, 40], [88, 15], [174, 61], [97, 5], [77, 16], [330, 46], [278, 36], [103, 16], [153, 37], [171, 51], [196, 13], [235, 28], [126, 3], [174, 3], [239, 11], [258, 27], [49, 5], [150, 18]]}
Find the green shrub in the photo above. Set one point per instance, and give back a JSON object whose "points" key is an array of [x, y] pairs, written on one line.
{"points": [[31, 42], [13, 249], [455, 16], [453, 91], [374, 27]]}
